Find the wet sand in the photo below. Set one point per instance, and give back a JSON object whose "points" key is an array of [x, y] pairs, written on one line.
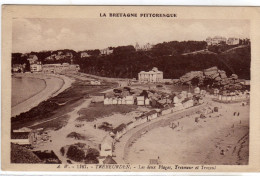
{"points": [[55, 84], [222, 140]]}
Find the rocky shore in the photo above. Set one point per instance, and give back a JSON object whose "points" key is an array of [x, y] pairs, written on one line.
{"points": [[211, 76]]}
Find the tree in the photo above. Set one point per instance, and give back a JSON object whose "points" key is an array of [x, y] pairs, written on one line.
{"points": [[76, 154]]}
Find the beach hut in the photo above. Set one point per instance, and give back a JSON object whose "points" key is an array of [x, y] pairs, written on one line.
{"points": [[140, 100], [129, 100], [184, 94], [147, 101], [99, 97], [176, 100], [166, 110], [189, 95], [228, 98], [119, 101], [123, 101], [197, 90], [114, 101]]}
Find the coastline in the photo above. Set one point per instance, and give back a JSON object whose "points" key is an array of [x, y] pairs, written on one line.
{"points": [[19, 76], [55, 84]]}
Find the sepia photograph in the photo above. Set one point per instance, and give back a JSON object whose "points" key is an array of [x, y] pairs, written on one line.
{"points": [[130, 89]]}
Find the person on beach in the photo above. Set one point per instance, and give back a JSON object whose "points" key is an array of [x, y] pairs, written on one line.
{"points": [[238, 114], [235, 113]]}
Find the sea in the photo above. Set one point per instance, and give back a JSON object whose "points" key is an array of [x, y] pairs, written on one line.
{"points": [[24, 87]]}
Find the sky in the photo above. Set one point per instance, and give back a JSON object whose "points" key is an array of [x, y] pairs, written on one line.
{"points": [[97, 33]]}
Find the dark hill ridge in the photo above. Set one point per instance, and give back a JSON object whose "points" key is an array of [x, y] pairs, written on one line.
{"points": [[128, 66], [169, 57]]}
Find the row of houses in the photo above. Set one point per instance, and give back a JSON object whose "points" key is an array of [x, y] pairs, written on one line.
{"points": [[230, 98], [219, 39], [54, 68], [128, 100], [107, 145]]}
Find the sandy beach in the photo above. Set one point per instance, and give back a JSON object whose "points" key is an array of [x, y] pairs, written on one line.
{"points": [[55, 84], [219, 140]]}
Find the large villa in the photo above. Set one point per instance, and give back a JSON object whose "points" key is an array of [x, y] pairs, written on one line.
{"points": [[151, 76]]}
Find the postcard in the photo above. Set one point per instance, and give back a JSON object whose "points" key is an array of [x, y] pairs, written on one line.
{"points": [[130, 88]]}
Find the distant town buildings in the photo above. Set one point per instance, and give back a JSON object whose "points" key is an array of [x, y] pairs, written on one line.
{"points": [[217, 40], [60, 68], [18, 67], [84, 54], [233, 41], [151, 76], [145, 47], [106, 51]]}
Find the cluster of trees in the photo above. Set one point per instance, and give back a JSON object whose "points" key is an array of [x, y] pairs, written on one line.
{"points": [[177, 48], [126, 62], [77, 153], [128, 66]]}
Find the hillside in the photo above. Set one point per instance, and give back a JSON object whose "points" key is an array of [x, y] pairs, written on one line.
{"points": [[128, 66], [169, 57]]}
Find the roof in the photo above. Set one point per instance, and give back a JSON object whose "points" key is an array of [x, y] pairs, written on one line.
{"points": [[24, 129], [150, 113], [20, 135], [107, 139], [109, 160], [119, 128], [140, 98]]}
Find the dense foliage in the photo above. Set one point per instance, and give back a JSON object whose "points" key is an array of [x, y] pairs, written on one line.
{"points": [[126, 62]]}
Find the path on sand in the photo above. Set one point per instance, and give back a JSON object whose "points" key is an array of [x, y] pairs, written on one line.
{"points": [[59, 138]]}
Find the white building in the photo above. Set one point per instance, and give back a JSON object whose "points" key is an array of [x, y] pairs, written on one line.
{"points": [[106, 147], [151, 76], [233, 41], [84, 54], [129, 100], [95, 82], [36, 67], [140, 100], [147, 101], [60, 68], [106, 51]]}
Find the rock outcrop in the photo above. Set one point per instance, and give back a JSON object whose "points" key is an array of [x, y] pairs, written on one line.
{"points": [[211, 76]]}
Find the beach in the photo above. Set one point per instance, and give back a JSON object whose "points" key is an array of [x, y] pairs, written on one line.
{"points": [[54, 84], [219, 140]]}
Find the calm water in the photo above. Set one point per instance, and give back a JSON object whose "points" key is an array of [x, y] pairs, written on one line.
{"points": [[24, 88]]}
